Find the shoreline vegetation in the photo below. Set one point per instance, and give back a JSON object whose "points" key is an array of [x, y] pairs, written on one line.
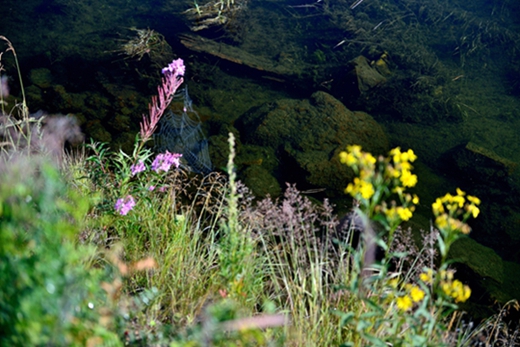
{"points": [[108, 248]]}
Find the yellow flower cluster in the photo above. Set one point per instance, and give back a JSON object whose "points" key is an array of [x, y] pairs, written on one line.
{"points": [[448, 208], [403, 168], [396, 213], [363, 188], [414, 294], [364, 165], [378, 178], [449, 286], [460, 292]]}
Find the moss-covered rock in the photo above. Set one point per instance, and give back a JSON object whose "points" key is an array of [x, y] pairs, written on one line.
{"points": [[482, 260], [498, 279], [307, 136], [41, 77], [261, 182], [97, 131]]}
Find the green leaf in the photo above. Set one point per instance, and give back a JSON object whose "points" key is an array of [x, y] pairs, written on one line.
{"points": [[419, 341], [374, 341], [345, 318], [442, 246]]}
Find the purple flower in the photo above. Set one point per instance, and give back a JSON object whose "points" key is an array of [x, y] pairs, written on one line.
{"points": [[139, 167], [164, 161], [151, 188], [176, 68], [125, 205]]}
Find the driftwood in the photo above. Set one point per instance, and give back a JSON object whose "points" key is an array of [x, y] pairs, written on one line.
{"points": [[241, 57]]}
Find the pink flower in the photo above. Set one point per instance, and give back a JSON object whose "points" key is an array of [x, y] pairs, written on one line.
{"points": [[176, 67], [125, 205], [164, 161], [139, 167]]}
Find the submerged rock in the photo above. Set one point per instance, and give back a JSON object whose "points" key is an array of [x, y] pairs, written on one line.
{"points": [[307, 136], [486, 273], [41, 77]]}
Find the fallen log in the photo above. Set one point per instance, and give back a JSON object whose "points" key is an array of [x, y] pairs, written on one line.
{"points": [[239, 56]]}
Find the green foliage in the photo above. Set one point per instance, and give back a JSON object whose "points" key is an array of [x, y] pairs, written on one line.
{"points": [[50, 295], [187, 242]]}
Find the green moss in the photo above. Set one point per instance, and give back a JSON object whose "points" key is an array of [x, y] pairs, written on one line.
{"points": [[501, 279], [483, 260]]}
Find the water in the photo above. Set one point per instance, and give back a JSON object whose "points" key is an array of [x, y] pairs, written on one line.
{"points": [[452, 71]]}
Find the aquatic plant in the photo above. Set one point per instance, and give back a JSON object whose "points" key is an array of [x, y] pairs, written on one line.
{"points": [[214, 13], [146, 42]]}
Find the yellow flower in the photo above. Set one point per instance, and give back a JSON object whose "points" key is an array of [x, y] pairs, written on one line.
{"points": [[427, 277], [474, 210], [347, 158], [447, 198], [464, 295], [457, 290], [404, 213], [441, 221], [366, 173], [368, 159], [396, 154], [474, 199], [438, 207], [393, 282], [415, 199], [408, 179], [391, 213], [405, 166], [343, 157], [351, 188], [366, 189], [392, 172], [446, 288], [459, 200], [447, 275], [411, 155], [408, 156], [417, 294], [354, 149], [404, 303]]}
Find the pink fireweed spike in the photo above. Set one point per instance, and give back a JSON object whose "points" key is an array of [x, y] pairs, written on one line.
{"points": [[173, 77]]}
